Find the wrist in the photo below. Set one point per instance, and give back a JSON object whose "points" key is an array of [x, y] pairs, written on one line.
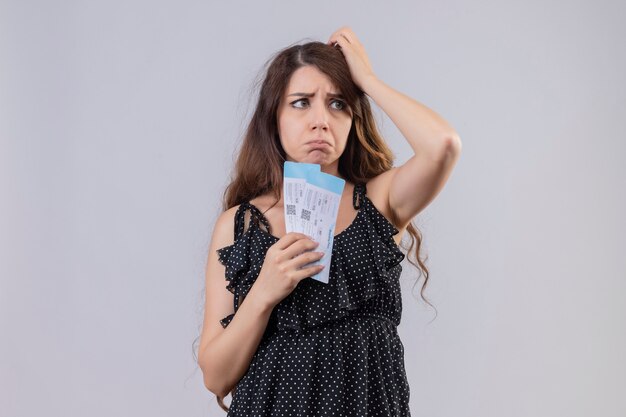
{"points": [[370, 83], [258, 303]]}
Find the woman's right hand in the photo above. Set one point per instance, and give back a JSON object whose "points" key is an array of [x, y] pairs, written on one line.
{"points": [[281, 273]]}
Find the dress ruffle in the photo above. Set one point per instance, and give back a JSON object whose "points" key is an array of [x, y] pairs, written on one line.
{"points": [[241, 271], [342, 351], [351, 290], [355, 290]]}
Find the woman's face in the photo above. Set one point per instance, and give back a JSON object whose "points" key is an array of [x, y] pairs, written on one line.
{"points": [[313, 119]]}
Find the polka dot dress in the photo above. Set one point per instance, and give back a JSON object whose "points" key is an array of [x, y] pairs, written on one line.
{"points": [[328, 349]]}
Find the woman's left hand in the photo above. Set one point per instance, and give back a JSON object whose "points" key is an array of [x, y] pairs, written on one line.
{"points": [[354, 52]]}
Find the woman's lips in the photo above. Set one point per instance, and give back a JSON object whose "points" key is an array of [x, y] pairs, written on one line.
{"points": [[318, 144]]}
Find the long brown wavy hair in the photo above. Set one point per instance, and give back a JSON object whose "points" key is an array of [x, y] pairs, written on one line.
{"points": [[259, 166]]}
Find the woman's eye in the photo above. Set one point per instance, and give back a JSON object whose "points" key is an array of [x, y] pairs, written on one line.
{"points": [[337, 104], [342, 105], [298, 101]]}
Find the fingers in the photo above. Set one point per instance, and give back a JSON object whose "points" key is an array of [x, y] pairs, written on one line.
{"points": [[308, 272], [295, 252], [296, 248], [302, 260], [345, 35], [340, 41], [344, 31], [287, 240]]}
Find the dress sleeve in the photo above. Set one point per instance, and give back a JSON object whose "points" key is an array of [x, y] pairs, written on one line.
{"points": [[386, 255], [241, 269]]}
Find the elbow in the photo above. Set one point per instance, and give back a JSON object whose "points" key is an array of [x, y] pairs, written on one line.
{"points": [[448, 150], [452, 144], [216, 384], [216, 389], [212, 374]]}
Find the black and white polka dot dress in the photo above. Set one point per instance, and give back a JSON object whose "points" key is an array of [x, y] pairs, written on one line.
{"points": [[329, 349]]}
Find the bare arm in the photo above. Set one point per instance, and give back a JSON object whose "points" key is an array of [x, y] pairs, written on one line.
{"points": [[410, 187], [227, 357], [407, 189], [225, 353]]}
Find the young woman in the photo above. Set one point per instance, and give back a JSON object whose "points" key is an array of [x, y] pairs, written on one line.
{"points": [[285, 345]]}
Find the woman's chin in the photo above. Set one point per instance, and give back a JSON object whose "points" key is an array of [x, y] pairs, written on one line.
{"points": [[316, 157]]}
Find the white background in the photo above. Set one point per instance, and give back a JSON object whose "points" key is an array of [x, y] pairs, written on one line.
{"points": [[118, 125]]}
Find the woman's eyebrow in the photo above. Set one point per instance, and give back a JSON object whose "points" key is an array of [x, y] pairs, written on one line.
{"points": [[334, 95]]}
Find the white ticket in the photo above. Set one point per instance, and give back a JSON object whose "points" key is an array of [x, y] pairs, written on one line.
{"points": [[294, 184], [316, 210]]}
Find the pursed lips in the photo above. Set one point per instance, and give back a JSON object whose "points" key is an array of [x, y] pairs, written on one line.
{"points": [[318, 143]]}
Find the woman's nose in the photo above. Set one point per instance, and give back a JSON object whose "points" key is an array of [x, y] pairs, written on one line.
{"points": [[319, 116]]}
